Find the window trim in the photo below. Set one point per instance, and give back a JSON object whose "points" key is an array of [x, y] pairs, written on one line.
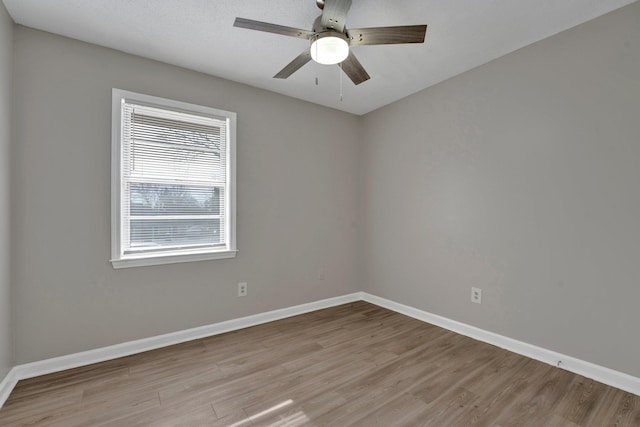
{"points": [[118, 260]]}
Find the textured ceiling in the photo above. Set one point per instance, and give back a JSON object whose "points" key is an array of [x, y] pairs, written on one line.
{"points": [[199, 35]]}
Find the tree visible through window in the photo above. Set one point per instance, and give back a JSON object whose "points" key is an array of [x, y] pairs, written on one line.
{"points": [[175, 172]]}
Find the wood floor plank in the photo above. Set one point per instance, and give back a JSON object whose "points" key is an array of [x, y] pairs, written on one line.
{"points": [[351, 365], [626, 412], [299, 412], [535, 401], [404, 409], [310, 382], [449, 406], [581, 405]]}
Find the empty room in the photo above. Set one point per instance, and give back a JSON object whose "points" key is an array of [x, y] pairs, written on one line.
{"points": [[319, 212]]}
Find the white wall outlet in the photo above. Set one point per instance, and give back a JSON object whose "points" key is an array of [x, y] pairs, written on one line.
{"points": [[242, 289], [476, 295]]}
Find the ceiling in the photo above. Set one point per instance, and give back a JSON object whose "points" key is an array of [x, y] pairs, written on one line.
{"points": [[199, 35]]}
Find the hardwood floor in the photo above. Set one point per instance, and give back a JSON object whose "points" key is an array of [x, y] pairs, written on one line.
{"points": [[356, 364]]}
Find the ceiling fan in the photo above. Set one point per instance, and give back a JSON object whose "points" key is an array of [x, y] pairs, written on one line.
{"points": [[331, 39]]}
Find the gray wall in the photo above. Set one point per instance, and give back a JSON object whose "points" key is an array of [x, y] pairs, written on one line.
{"points": [[296, 210], [521, 177], [6, 65]]}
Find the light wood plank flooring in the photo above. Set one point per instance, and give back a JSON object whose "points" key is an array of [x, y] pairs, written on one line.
{"points": [[356, 364]]}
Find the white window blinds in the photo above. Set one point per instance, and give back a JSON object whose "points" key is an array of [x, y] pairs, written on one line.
{"points": [[174, 181]]}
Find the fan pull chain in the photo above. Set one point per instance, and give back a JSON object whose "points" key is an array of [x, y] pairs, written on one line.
{"points": [[316, 66], [340, 71]]}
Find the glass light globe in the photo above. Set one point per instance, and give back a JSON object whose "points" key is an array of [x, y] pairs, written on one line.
{"points": [[329, 50]]}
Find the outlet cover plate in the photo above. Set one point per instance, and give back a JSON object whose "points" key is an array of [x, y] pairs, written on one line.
{"points": [[242, 289], [476, 295]]}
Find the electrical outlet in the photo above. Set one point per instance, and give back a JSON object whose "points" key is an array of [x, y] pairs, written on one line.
{"points": [[476, 295], [242, 289]]}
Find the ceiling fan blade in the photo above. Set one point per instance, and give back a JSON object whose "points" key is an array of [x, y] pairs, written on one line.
{"points": [[294, 65], [334, 14], [352, 68], [387, 35], [272, 28]]}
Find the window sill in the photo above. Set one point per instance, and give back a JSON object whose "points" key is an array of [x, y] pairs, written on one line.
{"points": [[170, 259]]}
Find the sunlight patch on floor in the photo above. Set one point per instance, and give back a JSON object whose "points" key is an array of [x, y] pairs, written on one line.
{"points": [[262, 414]]}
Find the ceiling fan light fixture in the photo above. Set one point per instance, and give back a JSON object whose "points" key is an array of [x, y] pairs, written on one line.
{"points": [[329, 48]]}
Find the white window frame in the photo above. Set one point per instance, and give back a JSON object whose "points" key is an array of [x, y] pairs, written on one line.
{"points": [[118, 258]]}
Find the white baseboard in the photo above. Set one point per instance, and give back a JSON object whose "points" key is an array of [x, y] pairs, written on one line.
{"points": [[7, 384], [57, 364], [599, 373], [590, 370]]}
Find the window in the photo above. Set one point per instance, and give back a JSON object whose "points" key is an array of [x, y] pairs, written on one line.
{"points": [[173, 181]]}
